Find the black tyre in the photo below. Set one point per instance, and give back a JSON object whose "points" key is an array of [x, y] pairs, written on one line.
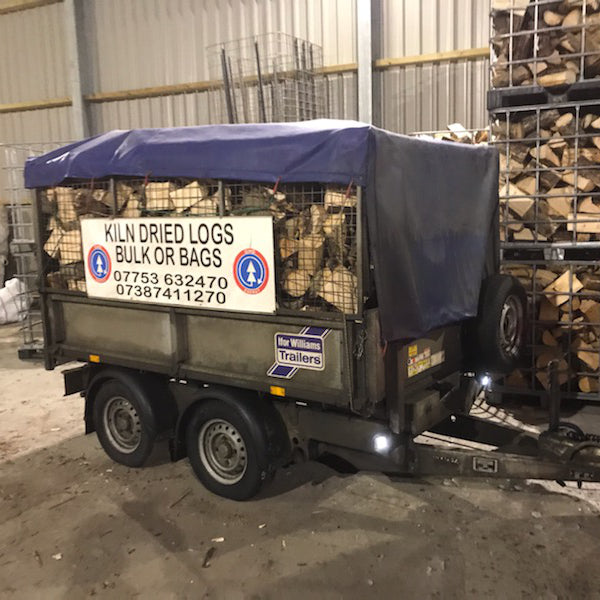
{"points": [[124, 423], [499, 329], [228, 449]]}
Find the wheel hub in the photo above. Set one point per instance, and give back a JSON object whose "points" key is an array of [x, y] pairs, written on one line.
{"points": [[122, 424], [511, 325], [222, 451]]}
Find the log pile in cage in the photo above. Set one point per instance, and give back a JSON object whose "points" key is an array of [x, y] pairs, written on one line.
{"points": [[549, 172], [315, 229], [540, 215], [544, 42], [564, 324]]}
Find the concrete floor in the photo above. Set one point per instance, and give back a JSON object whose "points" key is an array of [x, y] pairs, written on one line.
{"points": [[73, 524]]}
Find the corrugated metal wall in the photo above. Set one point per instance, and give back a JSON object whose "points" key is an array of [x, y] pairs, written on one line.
{"points": [[33, 67], [121, 56], [32, 55], [142, 43], [430, 96]]}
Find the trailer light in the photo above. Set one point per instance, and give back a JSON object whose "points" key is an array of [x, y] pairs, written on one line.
{"points": [[94, 358], [381, 442], [277, 390], [485, 380]]}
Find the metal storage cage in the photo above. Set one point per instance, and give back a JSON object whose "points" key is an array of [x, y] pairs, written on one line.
{"points": [[564, 295], [316, 230], [22, 239], [544, 105], [274, 77], [564, 325], [545, 43], [550, 237], [549, 172]]}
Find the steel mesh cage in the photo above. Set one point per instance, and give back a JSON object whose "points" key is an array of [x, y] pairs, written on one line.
{"points": [[315, 229], [273, 77], [21, 235], [549, 173], [544, 42], [564, 295], [564, 326]]}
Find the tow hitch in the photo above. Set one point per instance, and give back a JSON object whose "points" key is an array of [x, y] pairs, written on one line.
{"points": [[562, 453]]}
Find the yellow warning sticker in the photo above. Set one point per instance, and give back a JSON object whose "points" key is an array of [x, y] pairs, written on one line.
{"points": [[412, 350], [419, 363], [425, 360]]}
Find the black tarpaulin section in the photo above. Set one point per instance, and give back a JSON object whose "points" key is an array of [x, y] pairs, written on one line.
{"points": [[432, 209]]}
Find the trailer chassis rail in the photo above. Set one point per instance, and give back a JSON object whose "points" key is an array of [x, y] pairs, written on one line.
{"points": [[563, 452], [562, 455]]}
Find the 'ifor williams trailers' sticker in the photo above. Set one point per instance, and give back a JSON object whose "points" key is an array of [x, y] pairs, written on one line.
{"points": [[303, 350]]}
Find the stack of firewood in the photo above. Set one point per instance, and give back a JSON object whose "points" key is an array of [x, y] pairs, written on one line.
{"points": [[315, 230], [458, 133], [63, 207], [549, 44], [566, 325], [549, 175], [548, 207], [316, 245]]}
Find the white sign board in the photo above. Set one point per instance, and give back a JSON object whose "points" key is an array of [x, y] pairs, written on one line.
{"points": [[218, 263]]}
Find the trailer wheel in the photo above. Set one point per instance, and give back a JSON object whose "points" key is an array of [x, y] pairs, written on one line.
{"points": [[500, 323], [122, 425], [228, 450]]}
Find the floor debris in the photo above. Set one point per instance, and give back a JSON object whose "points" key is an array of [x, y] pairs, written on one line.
{"points": [[209, 554]]}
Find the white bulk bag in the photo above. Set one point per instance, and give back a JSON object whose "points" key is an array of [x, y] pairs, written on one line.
{"points": [[14, 302]]}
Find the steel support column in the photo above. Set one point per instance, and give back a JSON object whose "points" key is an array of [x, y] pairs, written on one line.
{"points": [[364, 46], [79, 120]]}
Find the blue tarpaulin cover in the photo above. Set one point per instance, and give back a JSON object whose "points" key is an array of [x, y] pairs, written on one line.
{"points": [[323, 150], [431, 206]]}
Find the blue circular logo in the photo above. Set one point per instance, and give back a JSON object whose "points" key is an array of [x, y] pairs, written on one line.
{"points": [[250, 271], [99, 264]]}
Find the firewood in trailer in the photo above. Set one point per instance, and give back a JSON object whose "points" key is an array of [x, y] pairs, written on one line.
{"points": [[296, 283], [573, 18], [552, 19]]}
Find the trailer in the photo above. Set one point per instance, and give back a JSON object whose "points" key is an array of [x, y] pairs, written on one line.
{"points": [[259, 294]]}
